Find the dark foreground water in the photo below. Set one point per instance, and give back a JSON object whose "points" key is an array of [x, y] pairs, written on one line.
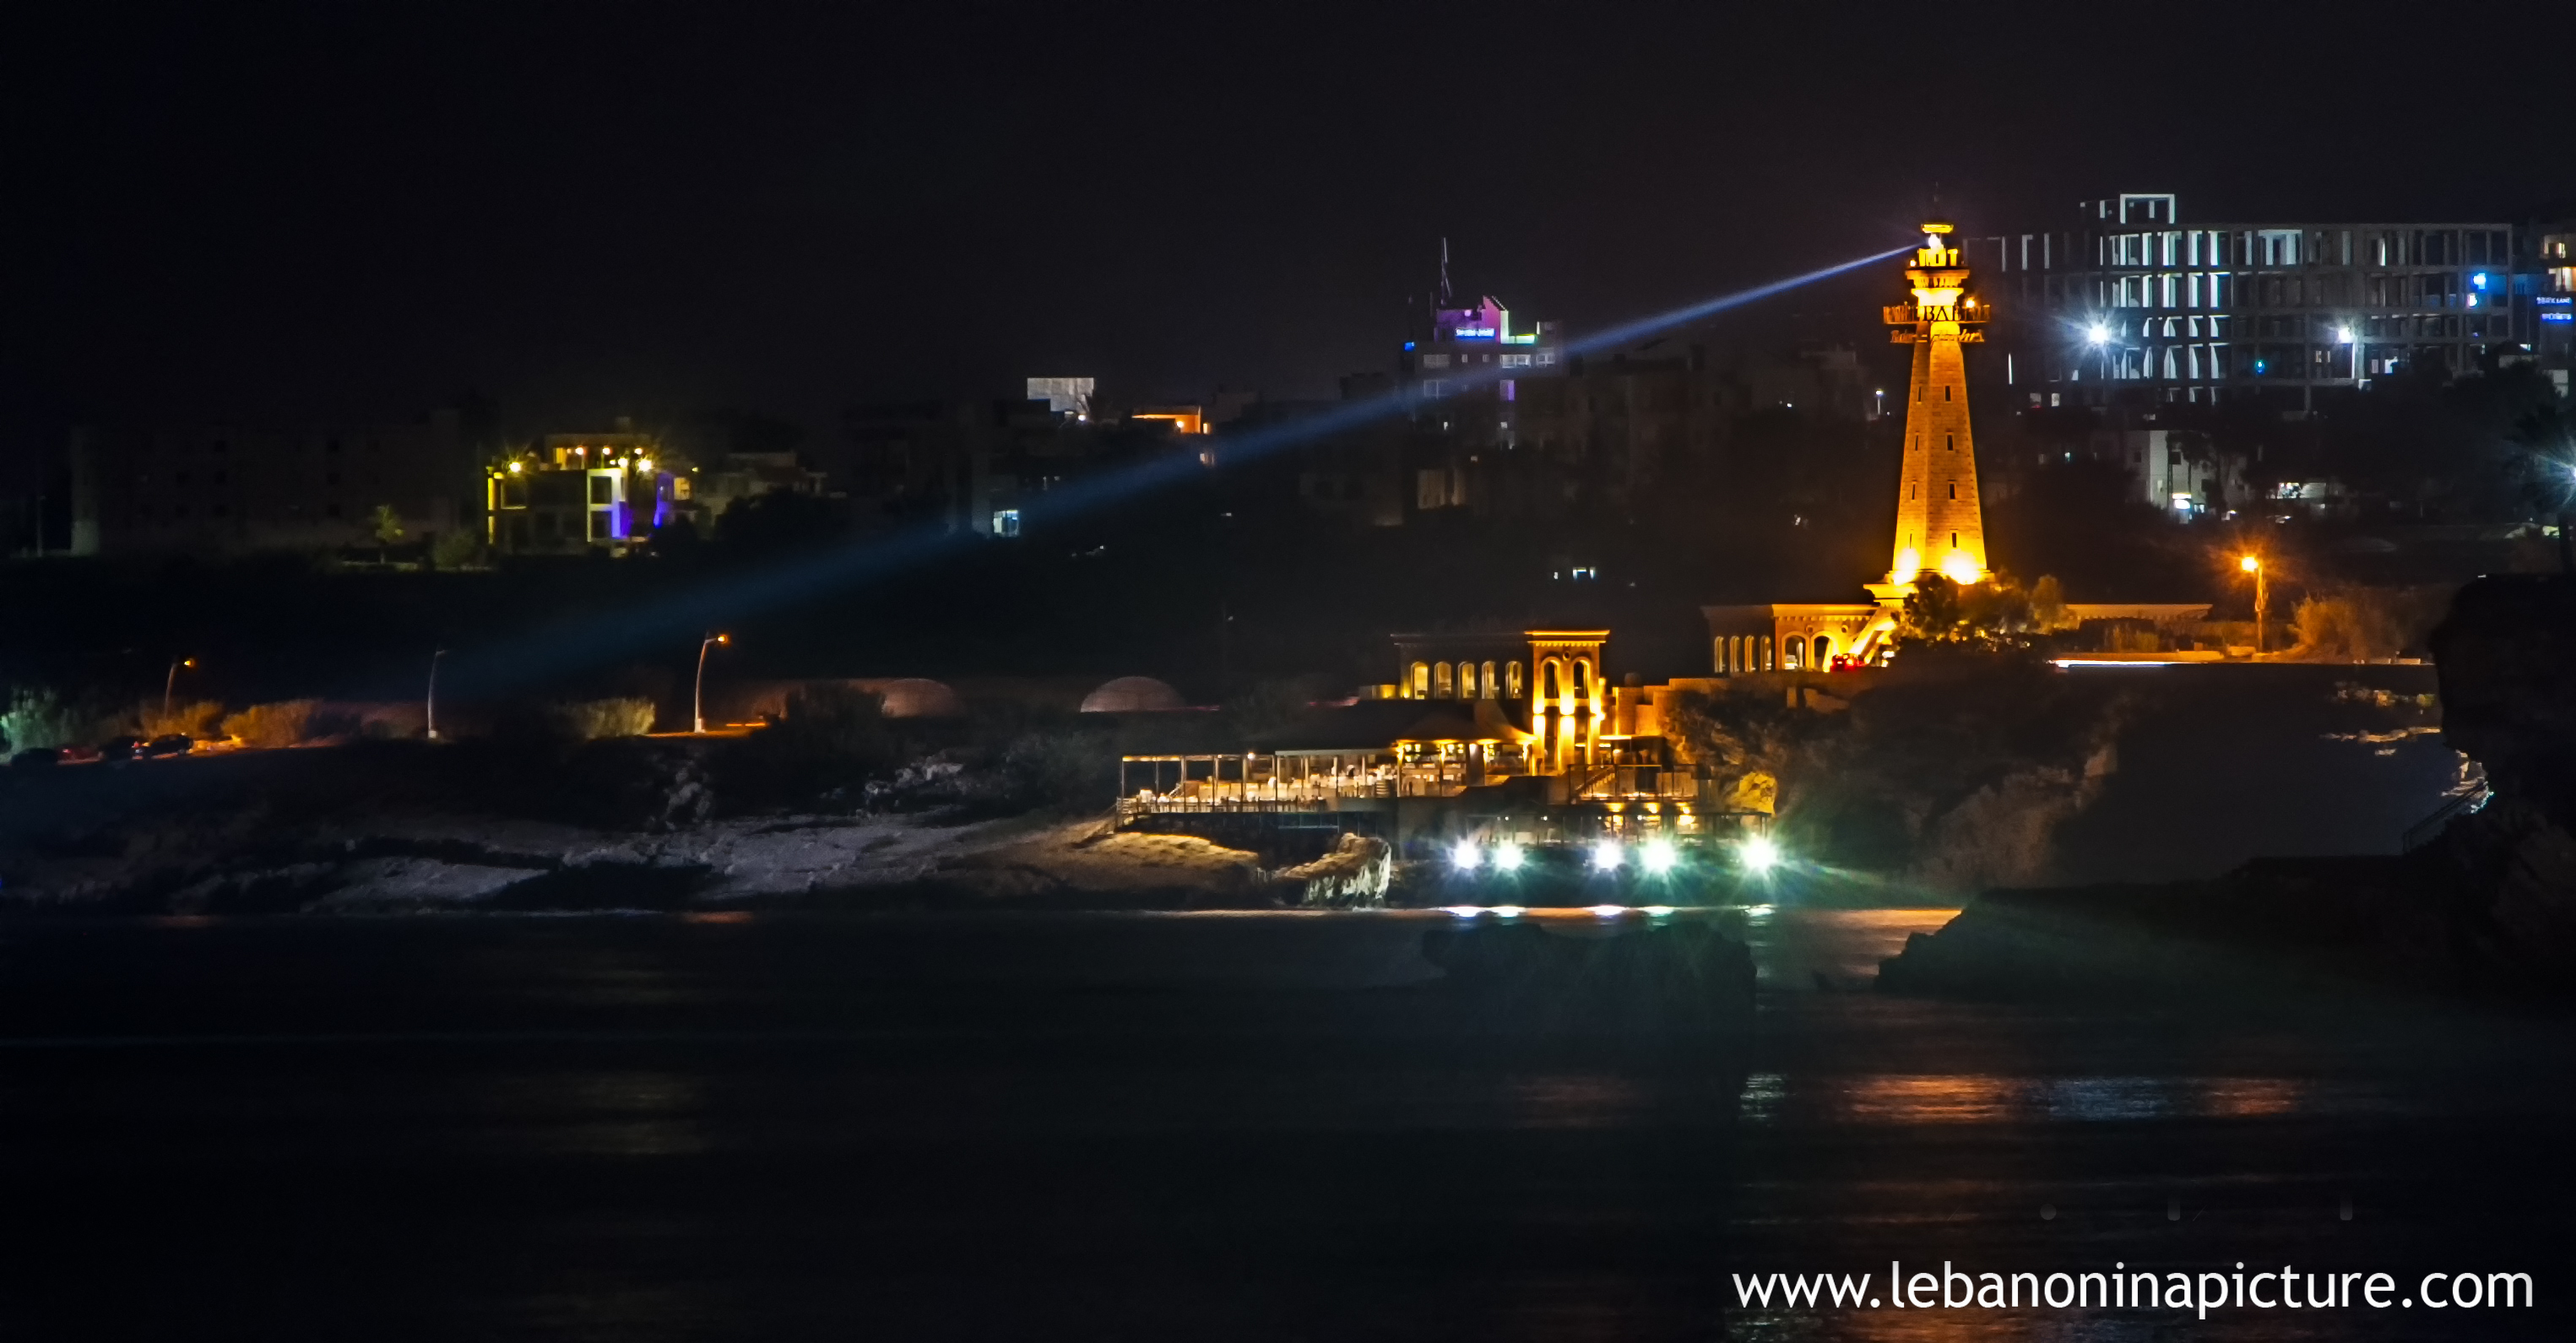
{"points": [[1197, 1127]]}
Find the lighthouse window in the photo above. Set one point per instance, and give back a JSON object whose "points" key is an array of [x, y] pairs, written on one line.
{"points": [[1954, 491], [1950, 441], [1945, 391]]}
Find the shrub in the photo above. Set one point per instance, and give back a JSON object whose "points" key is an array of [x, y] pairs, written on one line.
{"points": [[459, 549], [282, 723], [601, 719], [195, 719]]}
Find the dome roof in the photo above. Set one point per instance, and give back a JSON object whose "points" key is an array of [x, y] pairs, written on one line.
{"points": [[918, 697], [1133, 694]]}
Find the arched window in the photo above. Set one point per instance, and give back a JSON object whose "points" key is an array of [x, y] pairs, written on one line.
{"points": [[1551, 679], [1466, 680], [1768, 658], [1512, 688], [1485, 683], [1789, 651], [1824, 651], [1442, 684], [1421, 680]]}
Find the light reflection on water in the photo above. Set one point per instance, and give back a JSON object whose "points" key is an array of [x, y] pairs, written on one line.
{"points": [[1985, 1098]]}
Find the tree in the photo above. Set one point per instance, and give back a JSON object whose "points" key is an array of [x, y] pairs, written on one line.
{"points": [[1988, 616], [387, 528]]}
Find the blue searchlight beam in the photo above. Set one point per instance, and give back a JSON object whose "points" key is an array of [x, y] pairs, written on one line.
{"points": [[719, 600]]}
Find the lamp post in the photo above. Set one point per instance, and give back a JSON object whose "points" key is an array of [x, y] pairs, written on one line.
{"points": [[2262, 597], [432, 706], [698, 696], [171, 682]]}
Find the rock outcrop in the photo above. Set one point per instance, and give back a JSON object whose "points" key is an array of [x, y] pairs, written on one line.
{"points": [[2487, 905]]}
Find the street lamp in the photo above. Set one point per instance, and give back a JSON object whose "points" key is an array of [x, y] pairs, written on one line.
{"points": [[698, 696], [2262, 597], [171, 682], [432, 706]]}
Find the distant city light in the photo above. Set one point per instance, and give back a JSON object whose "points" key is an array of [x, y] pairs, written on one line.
{"points": [[1605, 856], [1507, 857], [2249, 564], [1463, 911], [1466, 855], [2343, 335], [1608, 911], [1659, 856], [1759, 854], [1507, 911], [1657, 911], [2097, 333]]}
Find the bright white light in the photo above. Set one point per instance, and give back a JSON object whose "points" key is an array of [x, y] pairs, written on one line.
{"points": [[2344, 334], [1605, 856], [1608, 911], [1466, 855], [1658, 911], [1959, 567], [1759, 854], [1464, 911], [1659, 856], [1507, 857], [2097, 333], [1508, 911]]}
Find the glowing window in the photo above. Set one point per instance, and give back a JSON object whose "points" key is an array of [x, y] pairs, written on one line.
{"points": [[1443, 683], [1486, 681], [1512, 680], [1006, 522], [1466, 680]]}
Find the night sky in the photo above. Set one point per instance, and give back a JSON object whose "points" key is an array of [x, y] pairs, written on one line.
{"points": [[292, 213]]}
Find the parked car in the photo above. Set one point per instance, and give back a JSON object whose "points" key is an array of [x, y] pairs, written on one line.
{"points": [[78, 755], [170, 743], [37, 755], [119, 748]]}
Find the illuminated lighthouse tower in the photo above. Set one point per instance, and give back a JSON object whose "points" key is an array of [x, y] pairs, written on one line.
{"points": [[1938, 523]]}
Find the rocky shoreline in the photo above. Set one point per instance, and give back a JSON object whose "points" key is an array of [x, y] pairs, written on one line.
{"points": [[2484, 908]]}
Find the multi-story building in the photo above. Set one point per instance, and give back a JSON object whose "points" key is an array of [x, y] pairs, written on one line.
{"points": [[225, 489], [2549, 286], [583, 492], [2134, 304], [974, 466]]}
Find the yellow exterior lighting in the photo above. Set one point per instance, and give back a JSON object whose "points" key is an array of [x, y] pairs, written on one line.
{"points": [[1937, 508], [2249, 564], [514, 468]]}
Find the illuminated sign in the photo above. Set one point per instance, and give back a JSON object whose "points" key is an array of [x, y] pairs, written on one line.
{"points": [[2552, 300], [2558, 316], [1473, 333]]}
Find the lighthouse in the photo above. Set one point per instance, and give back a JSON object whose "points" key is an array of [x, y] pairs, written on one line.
{"points": [[1939, 526]]}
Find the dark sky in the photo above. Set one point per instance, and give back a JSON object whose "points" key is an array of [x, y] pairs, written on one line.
{"points": [[366, 209]]}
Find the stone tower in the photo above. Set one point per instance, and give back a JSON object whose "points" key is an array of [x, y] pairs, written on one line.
{"points": [[1939, 525]]}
